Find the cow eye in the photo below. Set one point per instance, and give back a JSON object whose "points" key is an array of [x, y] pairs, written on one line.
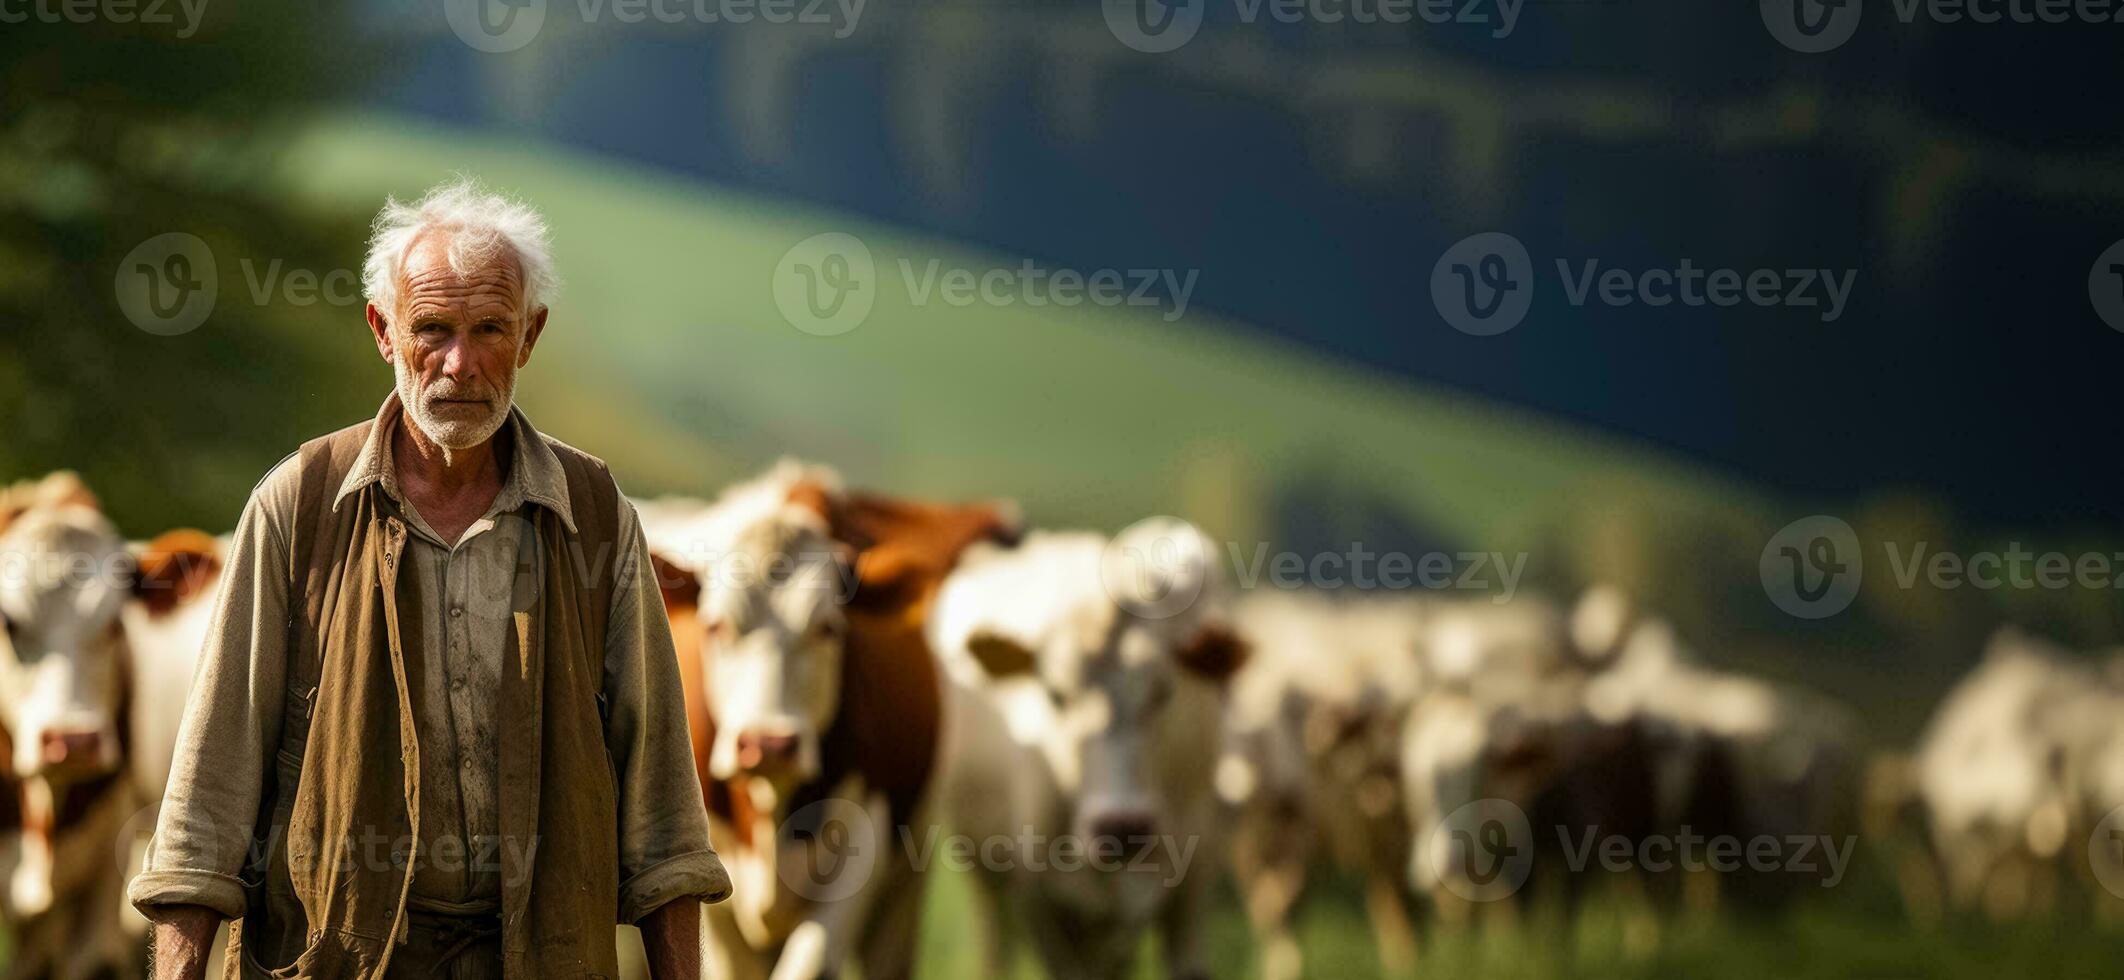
{"points": [[719, 630], [827, 629]]}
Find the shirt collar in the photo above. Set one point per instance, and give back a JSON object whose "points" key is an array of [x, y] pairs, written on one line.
{"points": [[535, 474]]}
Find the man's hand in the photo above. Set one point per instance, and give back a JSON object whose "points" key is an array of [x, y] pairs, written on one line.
{"points": [[671, 936], [184, 934]]}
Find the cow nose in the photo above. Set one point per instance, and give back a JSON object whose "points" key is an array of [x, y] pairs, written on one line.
{"points": [[760, 749], [1129, 827], [72, 747]]}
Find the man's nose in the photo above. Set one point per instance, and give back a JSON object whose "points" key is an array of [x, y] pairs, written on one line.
{"points": [[457, 361]]}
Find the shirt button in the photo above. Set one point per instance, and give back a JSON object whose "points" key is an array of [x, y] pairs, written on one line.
{"points": [[457, 612], [457, 683]]}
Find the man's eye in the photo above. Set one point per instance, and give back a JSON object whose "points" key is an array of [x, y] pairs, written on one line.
{"points": [[491, 327], [428, 328]]}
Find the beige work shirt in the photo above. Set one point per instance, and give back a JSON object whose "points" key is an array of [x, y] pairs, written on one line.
{"points": [[231, 727]]}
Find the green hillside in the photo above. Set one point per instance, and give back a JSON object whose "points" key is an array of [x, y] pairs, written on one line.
{"points": [[667, 354]]}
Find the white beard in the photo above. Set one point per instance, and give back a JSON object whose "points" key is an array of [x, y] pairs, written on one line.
{"points": [[452, 434]]}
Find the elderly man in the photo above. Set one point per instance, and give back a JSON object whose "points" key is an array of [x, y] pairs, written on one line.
{"points": [[437, 729]]}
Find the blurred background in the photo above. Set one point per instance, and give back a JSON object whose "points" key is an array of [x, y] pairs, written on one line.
{"points": [[1300, 179]]}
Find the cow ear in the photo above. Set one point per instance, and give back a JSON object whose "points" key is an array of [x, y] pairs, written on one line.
{"points": [[1000, 656], [1214, 652], [681, 589], [174, 567]]}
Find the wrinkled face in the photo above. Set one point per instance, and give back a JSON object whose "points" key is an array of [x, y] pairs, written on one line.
{"points": [[64, 576], [774, 633], [456, 340]]}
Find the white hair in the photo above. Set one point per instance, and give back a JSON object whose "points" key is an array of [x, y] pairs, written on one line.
{"points": [[480, 224]]}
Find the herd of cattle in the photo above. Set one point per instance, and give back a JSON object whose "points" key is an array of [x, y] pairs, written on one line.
{"points": [[862, 673]]}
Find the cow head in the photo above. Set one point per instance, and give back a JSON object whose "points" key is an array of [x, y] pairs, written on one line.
{"points": [[65, 576], [1132, 682], [771, 585]]}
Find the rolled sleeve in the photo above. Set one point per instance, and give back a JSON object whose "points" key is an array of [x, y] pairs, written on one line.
{"points": [[231, 721], [664, 852]]}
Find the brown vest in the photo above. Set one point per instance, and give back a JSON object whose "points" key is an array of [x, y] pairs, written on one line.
{"points": [[338, 827]]}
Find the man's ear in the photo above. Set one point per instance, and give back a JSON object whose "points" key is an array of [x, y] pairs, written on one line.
{"points": [[380, 330], [680, 588], [532, 329], [1214, 652], [174, 567], [999, 655]]}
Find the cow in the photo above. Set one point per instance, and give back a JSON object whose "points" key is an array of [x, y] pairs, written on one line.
{"points": [[1731, 755], [2019, 764], [1313, 762], [797, 608], [1095, 672], [1501, 738], [81, 714]]}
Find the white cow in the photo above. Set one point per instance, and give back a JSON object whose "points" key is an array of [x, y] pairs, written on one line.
{"points": [[1087, 751], [2020, 763], [1313, 763], [88, 714]]}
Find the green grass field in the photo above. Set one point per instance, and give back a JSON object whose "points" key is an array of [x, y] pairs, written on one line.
{"points": [[1857, 930]]}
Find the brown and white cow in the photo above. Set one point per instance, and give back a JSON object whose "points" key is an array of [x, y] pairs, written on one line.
{"points": [[798, 608], [77, 723], [1082, 776]]}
